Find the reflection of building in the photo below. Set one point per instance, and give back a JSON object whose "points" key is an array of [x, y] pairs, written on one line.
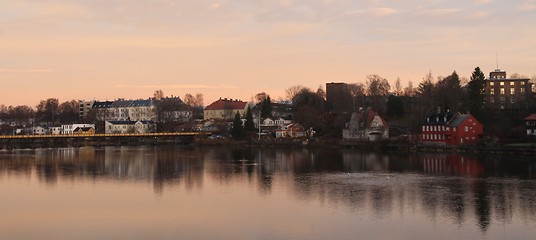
{"points": [[366, 125], [130, 127], [507, 93], [225, 109], [452, 165], [451, 129], [530, 125]]}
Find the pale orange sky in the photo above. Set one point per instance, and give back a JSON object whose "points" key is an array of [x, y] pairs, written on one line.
{"points": [[223, 48]]}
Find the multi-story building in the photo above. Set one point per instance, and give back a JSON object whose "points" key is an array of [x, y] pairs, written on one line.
{"points": [[85, 107], [338, 97], [225, 109], [126, 110], [451, 129], [129, 127], [507, 93]]}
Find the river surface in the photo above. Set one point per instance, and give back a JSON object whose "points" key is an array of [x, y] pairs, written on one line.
{"points": [[171, 192]]}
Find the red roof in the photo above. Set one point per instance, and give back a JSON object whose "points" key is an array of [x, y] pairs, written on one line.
{"points": [[227, 104], [532, 117]]}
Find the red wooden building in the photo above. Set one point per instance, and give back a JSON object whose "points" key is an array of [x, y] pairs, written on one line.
{"points": [[451, 129]]}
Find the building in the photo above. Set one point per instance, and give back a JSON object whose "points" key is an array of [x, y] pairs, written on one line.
{"points": [[39, 130], [338, 97], [291, 130], [84, 130], [225, 109], [451, 129], [530, 125], [507, 93], [366, 125], [85, 107], [55, 130], [129, 127], [69, 128]]}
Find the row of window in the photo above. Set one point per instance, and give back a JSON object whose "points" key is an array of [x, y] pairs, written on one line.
{"points": [[512, 91], [511, 83], [436, 128]]}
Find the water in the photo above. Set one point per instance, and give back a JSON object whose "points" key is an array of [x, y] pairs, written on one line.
{"points": [[217, 193]]}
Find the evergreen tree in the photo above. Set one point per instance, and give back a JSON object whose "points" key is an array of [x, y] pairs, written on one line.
{"points": [[237, 131], [395, 106], [249, 125], [476, 94], [266, 108]]}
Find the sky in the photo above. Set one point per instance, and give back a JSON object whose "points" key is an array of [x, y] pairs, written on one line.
{"points": [[109, 49]]}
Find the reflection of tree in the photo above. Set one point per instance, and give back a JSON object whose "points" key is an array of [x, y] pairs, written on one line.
{"points": [[482, 204]]}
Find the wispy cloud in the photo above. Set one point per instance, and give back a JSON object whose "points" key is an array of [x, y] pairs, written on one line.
{"points": [[31, 70], [440, 12], [380, 11], [528, 5], [177, 86]]}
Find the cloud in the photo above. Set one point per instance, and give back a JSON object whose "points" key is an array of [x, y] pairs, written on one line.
{"points": [[177, 86], [31, 70], [483, 1], [528, 5], [381, 11], [440, 12], [384, 11]]}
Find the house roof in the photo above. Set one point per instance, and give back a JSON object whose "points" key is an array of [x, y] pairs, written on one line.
{"points": [[83, 129], [132, 103], [369, 114], [532, 117], [458, 120], [227, 104], [439, 119], [106, 104]]}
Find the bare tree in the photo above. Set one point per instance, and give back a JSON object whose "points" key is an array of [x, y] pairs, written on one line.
{"points": [[158, 95], [292, 91], [398, 87], [409, 90]]}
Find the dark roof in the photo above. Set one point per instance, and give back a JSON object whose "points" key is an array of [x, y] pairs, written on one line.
{"points": [[227, 104], [106, 104], [83, 129], [132, 103], [439, 119], [532, 117]]}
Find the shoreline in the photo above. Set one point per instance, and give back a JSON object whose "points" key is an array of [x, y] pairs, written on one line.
{"points": [[388, 146]]}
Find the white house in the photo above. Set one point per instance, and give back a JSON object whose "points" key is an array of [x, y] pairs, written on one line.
{"points": [[38, 130], [129, 127], [55, 130]]}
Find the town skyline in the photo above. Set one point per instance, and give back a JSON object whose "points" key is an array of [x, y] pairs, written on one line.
{"points": [[87, 50]]}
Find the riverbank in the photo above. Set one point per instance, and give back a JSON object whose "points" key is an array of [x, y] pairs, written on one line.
{"points": [[389, 146]]}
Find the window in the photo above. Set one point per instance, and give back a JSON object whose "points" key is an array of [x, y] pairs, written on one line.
{"points": [[522, 83], [466, 128], [512, 91], [522, 90], [492, 84], [512, 83], [502, 83], [502, 91], [492, 91]]}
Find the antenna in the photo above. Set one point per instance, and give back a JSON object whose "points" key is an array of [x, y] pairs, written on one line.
{"points": [[497, 60]]}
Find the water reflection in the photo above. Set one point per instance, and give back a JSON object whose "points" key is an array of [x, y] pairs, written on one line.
{"points": [[458, 188]]}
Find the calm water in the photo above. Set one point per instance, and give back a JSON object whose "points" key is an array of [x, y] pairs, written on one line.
{"points": [[216, 193]]}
